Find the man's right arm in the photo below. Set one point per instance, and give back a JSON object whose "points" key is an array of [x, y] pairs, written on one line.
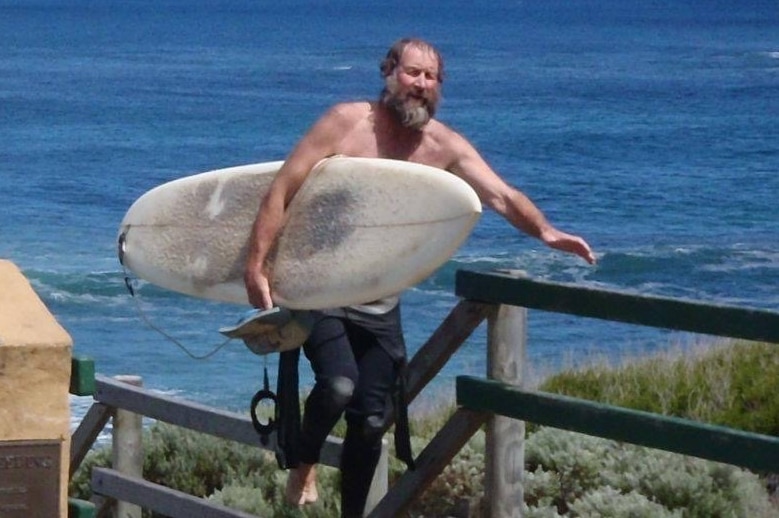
{"points": [[511, 203], [318, 143]]}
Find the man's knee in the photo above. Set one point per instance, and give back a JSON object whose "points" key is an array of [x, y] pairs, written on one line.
{"points": [[340, 389], [370, 429]]}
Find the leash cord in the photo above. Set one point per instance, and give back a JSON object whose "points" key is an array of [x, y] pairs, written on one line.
{"points": [[129, 283]]}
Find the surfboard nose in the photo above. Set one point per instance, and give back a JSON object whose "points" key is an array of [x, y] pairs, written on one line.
{"points": [[121, 242]]}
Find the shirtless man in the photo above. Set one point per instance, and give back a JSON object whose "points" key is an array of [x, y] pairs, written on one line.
{"points": [[356, 352]]}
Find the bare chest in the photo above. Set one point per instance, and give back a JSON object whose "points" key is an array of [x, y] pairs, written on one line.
{"points": [[366, 141]]}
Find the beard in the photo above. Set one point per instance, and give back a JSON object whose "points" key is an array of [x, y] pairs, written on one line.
{"points": [[413, 111]]}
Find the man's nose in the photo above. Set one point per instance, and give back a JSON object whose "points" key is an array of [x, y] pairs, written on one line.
{"points": [[421, 82]]}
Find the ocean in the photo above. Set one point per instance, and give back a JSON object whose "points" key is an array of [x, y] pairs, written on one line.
{"points": [[649, 127]]}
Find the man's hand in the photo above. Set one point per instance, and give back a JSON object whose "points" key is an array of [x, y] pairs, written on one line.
{"points": [[258, 287], [568, 243]]}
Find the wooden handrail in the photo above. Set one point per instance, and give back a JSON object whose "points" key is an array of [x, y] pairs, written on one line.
{"points": [[684, 436], [669, 313]]}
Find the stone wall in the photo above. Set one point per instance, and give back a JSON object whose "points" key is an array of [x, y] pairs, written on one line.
{"points": [[35, 353]]}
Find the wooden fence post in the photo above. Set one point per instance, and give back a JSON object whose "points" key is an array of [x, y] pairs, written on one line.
{"points": [[380, 482], [127, 448], [505, 437]]}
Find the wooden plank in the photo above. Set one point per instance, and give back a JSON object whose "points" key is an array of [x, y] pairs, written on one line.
{"points": [[159, 499], [670, 313], [127, 447], [380, 481], [331, 452], [87, 432], [187, 414], [717, 443], [194, 416], [505, 437], [464, 318], [431, 462]]}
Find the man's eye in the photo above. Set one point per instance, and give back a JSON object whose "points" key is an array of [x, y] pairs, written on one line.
{"points": [[416, 72]]}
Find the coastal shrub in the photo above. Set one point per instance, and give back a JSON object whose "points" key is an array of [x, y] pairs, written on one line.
{"points": [[79, 485], [197, 463], [581, 475], [264, 496], [458, 488], [188, 461], [731, 384], [607, 501], [567, 474]]}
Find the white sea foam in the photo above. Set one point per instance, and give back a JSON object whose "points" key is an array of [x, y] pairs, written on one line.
{"points": [[746, 260]]}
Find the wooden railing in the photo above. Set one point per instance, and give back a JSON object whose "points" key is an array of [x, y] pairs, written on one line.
{"points": [[749, 450], [499, 402], [122, 397]]}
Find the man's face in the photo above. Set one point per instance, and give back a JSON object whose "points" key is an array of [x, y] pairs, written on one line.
{"points": [[413, 89]]}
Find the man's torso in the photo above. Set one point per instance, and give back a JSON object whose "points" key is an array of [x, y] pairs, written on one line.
{"points": [[369, 134]]}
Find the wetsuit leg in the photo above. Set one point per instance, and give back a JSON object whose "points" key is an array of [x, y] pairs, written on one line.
{"points": [[366, 415], [335, 371]]}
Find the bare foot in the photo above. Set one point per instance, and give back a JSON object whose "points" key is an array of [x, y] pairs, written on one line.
{"points": [[301, 485]]}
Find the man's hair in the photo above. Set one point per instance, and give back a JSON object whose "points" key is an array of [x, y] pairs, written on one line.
{"points": [[392, 58]]}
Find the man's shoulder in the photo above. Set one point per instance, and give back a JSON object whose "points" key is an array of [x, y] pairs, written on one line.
{"points": [[341, 117], [351, 109], [446, 137]]}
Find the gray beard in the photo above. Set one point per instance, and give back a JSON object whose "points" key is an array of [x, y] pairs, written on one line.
{"points": [[410, 116]]}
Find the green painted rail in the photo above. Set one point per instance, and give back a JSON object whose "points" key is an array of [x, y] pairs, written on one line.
{"points": [[721, 444], [749, 450], [669, 313], [82, 376], [80, 509]]}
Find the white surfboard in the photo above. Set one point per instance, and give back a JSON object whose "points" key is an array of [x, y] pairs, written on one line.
{"points": [[358, 230]]}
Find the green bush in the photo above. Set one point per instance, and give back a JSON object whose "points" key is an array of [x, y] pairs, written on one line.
{"points": [[264, 495], [579, 475], [459, 487], [734, 384], [79, 486], [185, 460], [607, 501]]}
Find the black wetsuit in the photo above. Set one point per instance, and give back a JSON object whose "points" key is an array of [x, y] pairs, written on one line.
{"points": [[357, 355]]}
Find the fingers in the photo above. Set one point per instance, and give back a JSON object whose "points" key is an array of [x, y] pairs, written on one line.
{"points": [[579, 247], [260, 299], [574, 245], [267, 301], [258, 290], [586, 252], [263, 299]]}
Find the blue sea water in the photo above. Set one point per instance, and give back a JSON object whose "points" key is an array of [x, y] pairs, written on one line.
{"points": [[648, 127]]}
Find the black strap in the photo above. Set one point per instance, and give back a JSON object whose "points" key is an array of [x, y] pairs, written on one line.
{"points": [[288, 411], [402, 429]]}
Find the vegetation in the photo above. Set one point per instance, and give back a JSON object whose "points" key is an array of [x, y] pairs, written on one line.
{"points": [[734, 384], [566, 474]]}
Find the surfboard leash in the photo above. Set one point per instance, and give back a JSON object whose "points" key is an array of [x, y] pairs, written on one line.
{"points": [[264, 430], [128, 282]]}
